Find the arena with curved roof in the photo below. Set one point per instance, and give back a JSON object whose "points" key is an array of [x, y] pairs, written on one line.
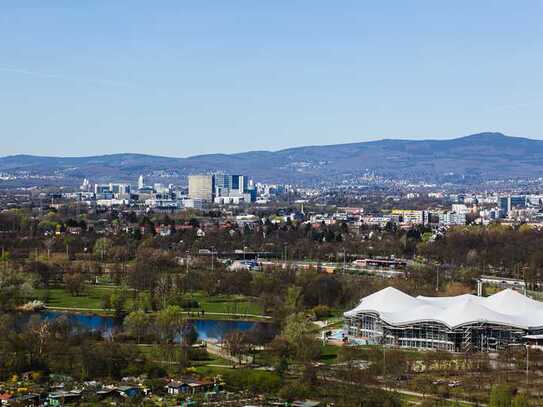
{"points": [[462, 323]]}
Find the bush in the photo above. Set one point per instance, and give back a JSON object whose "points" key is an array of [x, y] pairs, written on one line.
{"points": [[181, 301], [156, 372], [198, 355], [255, 380], [500, 396], [293, 391], [322, 311], [190, 303]]}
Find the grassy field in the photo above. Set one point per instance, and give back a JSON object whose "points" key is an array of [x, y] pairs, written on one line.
{"points": [[227, 304], [92, 299], [329, 354], [59, 297], [243, 378], [210, 371], [153, 352]]}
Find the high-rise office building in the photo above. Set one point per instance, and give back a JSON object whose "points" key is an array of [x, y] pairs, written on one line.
{"points": [[504, 203], [240, 184], [509, 202], [123, 189], [518, 201], [101, 189], [201, 187], [217, 186], [452, 218], [222, 185], [141, 182], [85, 186], [230, 185]]}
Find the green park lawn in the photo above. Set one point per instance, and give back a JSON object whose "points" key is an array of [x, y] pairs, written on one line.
{"points": [[329, 354], [92, 299], [59, 297], [243, 378]]}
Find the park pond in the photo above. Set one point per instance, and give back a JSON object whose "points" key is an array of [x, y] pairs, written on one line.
{"points": [[207, 329]]}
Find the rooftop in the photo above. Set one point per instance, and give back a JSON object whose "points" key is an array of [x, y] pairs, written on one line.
{"points": [[507, 307]]}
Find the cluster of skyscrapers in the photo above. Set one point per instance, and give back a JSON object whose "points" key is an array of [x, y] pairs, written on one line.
{"points": [[202, 190], [221, 188]]}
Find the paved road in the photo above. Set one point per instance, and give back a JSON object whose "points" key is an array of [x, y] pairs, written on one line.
{"points": [[412, 393], [216, 350], [428, 396], [222, 314]]}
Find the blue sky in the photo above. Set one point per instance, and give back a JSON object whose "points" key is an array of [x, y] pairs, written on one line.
{"points": [[180, 78]]}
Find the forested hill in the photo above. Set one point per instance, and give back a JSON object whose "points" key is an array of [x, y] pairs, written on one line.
{"points": [[472, 158]]}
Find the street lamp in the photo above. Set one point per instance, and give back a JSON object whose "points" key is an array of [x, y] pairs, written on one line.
{"points": [[384, 360], [437, 279], [212, 259], [527, 362]]}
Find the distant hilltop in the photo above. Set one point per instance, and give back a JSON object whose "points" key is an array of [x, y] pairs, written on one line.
{"points": [[467, 159]]}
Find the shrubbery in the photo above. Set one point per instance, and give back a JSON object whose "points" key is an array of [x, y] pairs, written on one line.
{"points": [[254, 380]]}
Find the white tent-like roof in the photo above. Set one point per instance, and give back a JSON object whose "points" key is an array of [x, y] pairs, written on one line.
{"points": [[388, 299], [508, 308]]}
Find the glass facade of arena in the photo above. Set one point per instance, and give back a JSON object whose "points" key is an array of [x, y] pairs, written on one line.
{"points": [[476, 337]]}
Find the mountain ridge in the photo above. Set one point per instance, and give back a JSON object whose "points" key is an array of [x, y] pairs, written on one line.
{"points": [[383, 140], [480, 156]]}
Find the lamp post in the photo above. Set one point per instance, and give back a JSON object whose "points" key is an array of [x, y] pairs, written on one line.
{"points": [[212, 259], [384, 358], [527, 363]]}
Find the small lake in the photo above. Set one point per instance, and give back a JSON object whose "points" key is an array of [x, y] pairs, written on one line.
{"points": [[207, 329]]}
